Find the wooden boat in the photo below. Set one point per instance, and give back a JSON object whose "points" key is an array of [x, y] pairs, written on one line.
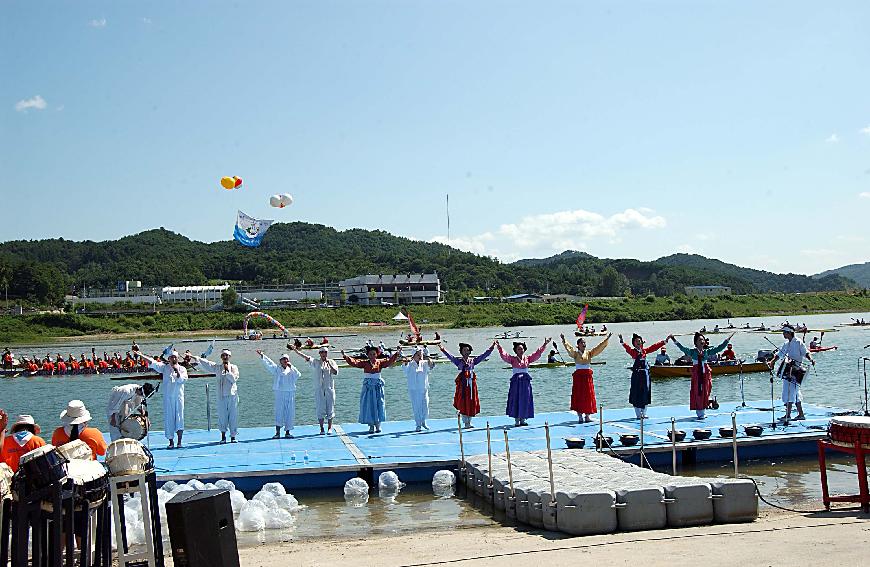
{"points": [[667, 371], [112, 374], [558, 364], [312, 347]]}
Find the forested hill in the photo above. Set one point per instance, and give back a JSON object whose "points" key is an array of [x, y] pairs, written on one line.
{"points": [[759, 279], [860, 273], [44, 270]]}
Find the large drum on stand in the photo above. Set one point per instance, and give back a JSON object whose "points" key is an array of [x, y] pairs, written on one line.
{"points": [[89, 479], [848, 430], [42, 467], [126, 456]]}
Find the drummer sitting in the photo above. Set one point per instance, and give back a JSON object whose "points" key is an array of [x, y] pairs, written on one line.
{"points": [[75, 420], [22, 438]]}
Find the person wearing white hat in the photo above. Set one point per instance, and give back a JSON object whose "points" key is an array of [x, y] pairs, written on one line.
{"points": [[417, 371], [228, 393], [174, 376], [791, 373], [284, 386], [75, 419], [23, 437], [325, 370]]}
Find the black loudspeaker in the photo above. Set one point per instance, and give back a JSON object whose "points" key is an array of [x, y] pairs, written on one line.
{"points": [[201, 529]]}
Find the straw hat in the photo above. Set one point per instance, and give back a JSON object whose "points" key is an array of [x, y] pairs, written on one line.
{"points": [[75, 413]]}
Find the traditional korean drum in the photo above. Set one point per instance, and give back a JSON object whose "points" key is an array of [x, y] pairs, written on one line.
{"points": [[76, 450], [849, 430], [135, 427], [42, 467], [89, 478], [126, 456]]}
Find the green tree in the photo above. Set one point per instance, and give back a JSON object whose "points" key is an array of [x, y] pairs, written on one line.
{"points": [[229, 297], [611, 283]]}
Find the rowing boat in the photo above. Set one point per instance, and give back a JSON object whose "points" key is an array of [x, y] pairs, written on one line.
{"points": [[116, 375], [665, 371], [822, 348], [403, 342]]}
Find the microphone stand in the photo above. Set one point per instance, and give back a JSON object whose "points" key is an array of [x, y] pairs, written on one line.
{"points": [[866, 406]]}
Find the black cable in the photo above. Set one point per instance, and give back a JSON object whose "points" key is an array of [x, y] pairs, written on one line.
{"points": [[769, 503]]}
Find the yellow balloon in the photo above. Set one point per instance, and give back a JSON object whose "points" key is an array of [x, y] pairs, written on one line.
{"points": [[228, 182]]}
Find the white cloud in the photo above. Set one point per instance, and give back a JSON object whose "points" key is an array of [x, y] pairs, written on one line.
{"points": [[821, 252], [832, 139], [864, 195], [98, 23], [549, 233], [866, 130], [35, 103]]}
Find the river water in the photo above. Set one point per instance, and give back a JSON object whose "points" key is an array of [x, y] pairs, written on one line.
{"points": [[835, 382]]}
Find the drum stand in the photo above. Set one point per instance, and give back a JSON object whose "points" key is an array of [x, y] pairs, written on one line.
{"points": [[144, 484], [27, 511]]}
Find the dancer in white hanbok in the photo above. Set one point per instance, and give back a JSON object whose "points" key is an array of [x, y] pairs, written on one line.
{"points": [[417, 371], [228, 393], [325, 371], [174, 377], [284, 386]]}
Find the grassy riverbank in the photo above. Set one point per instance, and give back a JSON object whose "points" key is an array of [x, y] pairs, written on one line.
{"points": [[45, 327]]}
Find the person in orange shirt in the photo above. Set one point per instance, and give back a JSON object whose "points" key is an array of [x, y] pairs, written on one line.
{"points": [[22, 438], [75, 419]]}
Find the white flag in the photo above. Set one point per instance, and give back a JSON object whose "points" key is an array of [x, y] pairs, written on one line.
{"points": [[250, 231]]}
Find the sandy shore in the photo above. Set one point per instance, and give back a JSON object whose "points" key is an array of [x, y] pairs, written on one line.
{"points": [[837, 538]]}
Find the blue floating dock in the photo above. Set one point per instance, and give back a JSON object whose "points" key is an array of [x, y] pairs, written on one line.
{"points": [[350, 451]]}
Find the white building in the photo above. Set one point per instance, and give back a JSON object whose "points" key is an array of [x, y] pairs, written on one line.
{"points": [[172, 294], [392, 289], [707, 290]]}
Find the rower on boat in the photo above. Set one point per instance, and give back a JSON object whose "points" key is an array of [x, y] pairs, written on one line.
{"points": [[662, 358]]}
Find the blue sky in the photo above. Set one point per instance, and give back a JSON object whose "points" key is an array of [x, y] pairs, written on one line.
{"points": [[739, 130]]}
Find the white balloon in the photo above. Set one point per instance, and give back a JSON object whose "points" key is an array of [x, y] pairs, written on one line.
{"points": [[286, 199], [275, 200]]}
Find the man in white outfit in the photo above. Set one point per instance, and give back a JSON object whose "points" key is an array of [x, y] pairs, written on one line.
{"points": [[417, 372], [124, 401], [228, 393], [325, 370], [794, 351], [284, 385], [174, 377]]}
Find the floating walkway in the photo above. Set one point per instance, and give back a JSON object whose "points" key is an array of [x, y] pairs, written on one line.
{"points": [[311, 460], [585, 492]]}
